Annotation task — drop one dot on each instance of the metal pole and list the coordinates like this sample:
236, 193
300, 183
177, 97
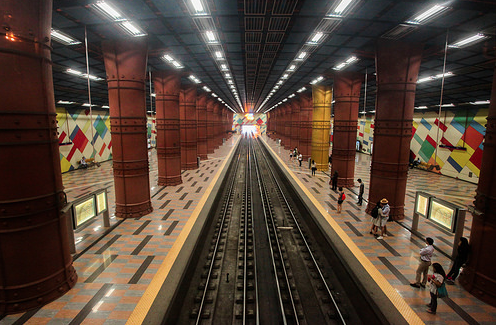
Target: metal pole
441, 97
93, 154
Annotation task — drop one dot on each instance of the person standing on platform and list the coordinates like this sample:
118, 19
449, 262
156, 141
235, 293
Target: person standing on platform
425, 262
341, 197
436, 281
314, 167
461, 258
384, 216
300, 158
334, 180
360, 191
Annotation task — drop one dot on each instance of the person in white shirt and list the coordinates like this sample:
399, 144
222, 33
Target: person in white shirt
425, 262
300, 158
83, 163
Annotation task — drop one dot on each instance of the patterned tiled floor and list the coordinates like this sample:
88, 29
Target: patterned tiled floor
115, 270
396, 256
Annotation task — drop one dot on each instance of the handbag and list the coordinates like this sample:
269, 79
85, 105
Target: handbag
441, 291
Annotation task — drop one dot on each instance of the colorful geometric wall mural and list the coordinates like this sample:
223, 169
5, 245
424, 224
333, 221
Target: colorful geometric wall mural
460, 135
258, 119
151, 134
74, 129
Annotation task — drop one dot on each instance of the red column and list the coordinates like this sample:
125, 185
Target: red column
306, 119
282, 124
210, 126
346, 95
167, 86
216, 125
397, 71
230, 122
125, 64
201, 113
287, 126
295, 124
478, 275
36, 265
187, 112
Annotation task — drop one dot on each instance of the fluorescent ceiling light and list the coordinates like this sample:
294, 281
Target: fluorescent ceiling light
480, 102
428, 15
340, 9
168, 58
65, 102
228, 76
317, 80
74, 72
223, 67
316, 38
421, 107
153, 95
447, 105
285, 76
108, 11
285, 100
469, 40
88, 105
280, 82
197, 5
63, 38
292, 68
438, 76
105, 106
302, 55
291, 96
346, 63
177, 65
218, 54
214, 95
131, 29
210, 36
194, 79
301, 90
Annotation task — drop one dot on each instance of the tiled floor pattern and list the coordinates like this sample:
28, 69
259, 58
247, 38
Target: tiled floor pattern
114, 270
396, 256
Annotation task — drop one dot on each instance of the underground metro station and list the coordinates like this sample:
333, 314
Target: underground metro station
193, 161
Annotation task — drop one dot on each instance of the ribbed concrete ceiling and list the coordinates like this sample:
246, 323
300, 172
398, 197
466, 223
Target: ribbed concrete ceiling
260, 40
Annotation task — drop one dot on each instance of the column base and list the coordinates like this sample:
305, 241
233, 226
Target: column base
203, 156
190, 166
479, 285
133, 211
169, 181
36, 295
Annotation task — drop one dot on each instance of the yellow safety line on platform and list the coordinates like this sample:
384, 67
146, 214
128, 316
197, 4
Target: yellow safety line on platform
139, 313
410, 316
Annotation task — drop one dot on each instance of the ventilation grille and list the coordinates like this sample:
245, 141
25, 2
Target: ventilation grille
255, 7
284, 7
278, 23
254, 23
253, 37
274, 37
328, 25
204, 23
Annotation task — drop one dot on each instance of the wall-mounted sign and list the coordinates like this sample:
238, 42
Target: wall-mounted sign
84, 211
443, 213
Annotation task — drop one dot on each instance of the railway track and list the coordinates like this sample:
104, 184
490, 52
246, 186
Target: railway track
262, 261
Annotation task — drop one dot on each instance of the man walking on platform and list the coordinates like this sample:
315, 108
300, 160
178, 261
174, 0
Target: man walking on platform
360, 191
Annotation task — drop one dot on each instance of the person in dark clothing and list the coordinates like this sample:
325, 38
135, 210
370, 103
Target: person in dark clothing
360, 191
334, 180
330, 160
461, 258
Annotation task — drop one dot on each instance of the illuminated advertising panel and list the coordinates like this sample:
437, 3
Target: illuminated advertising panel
101, 202
443, 214
422, 204
84, 211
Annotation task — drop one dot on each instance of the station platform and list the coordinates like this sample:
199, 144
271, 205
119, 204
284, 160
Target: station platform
120, 267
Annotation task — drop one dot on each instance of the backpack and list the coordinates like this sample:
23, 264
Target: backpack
375, 212
343, 196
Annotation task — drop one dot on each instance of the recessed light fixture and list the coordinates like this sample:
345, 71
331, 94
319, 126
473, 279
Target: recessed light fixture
301, 90
218, 54
421, 107
194, 79
468, 41
316, 38
65, 102
131, 29
302, 55
292, 68
210, 36
108, 11
207, 89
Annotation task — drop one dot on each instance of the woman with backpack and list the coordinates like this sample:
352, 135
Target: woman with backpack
376, 220
341, 197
